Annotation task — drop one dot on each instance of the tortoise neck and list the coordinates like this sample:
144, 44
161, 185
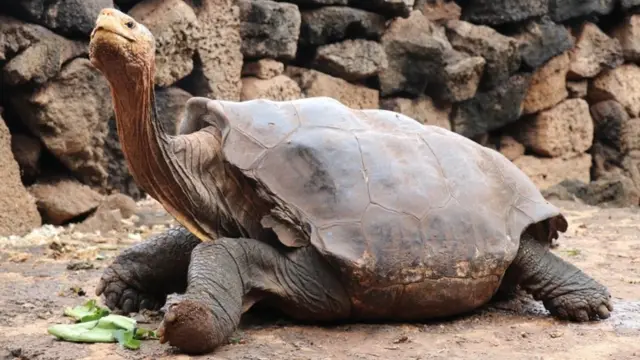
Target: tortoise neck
143, 139
148, 149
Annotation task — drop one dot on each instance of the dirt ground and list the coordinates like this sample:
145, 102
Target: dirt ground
52, 268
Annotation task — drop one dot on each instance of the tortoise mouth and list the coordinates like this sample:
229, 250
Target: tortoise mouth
102, 29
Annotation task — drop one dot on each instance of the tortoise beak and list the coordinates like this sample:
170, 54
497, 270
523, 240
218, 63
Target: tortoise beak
110, 21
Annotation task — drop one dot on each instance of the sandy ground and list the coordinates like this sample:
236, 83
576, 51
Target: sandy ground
56, 267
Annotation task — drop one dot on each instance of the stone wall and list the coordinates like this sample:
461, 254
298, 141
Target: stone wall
552, 84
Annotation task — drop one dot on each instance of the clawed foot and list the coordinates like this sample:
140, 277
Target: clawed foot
189, 326
122, 290
582, 305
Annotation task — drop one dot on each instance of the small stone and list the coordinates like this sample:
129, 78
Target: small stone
264, 69
496, 12
330, 24
351, 59
269, 29
500, 52
564, 130
439, 10
80, 265
577, 88
27, 151
594, 51
102, 221
621, 84
562, 10
315, 83
610, 190
175, 28
19, 214
546, 172
628, 34
492, 109
416, 49
55, 204
510, 147
460, 77
39, 53
109, 215
548, 85
171, 104
279, 88
401, 340
421, 109
121, 202
541, 40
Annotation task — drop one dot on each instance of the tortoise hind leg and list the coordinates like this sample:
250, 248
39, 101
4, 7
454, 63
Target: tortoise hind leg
227, 276
143, 275
566, 291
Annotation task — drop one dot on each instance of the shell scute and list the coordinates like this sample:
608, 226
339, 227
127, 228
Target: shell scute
402, 173
268, 122
252, 150
328, 113
319, 171
395, 243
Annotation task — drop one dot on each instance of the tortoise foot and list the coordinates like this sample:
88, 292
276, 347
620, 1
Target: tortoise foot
143, 275
591, 303
122, 290
189, 326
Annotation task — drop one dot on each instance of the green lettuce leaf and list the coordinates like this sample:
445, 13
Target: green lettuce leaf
95, 324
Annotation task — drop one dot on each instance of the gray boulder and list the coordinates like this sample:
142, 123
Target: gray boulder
331, 24
497, 12
492, 109
541, 40
269, 29
562, 10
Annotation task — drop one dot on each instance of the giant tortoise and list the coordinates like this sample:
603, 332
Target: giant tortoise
325, 212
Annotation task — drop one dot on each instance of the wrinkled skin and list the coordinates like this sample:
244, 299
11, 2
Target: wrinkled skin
131, 285
223, 280
226, 277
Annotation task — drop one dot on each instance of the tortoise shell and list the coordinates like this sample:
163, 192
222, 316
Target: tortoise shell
377, 192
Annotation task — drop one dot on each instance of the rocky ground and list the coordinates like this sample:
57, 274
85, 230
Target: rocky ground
54, 267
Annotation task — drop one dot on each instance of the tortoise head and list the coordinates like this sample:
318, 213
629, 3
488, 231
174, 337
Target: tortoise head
121, 47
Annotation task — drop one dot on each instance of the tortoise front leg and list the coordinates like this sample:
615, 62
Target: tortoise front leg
566, 291
228, 276
143, 275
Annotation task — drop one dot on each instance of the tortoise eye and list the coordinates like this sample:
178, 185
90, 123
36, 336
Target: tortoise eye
129, 24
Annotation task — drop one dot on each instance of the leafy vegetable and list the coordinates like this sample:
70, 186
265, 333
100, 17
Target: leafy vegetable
95, 324
83, 332
127, 339
87, 312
